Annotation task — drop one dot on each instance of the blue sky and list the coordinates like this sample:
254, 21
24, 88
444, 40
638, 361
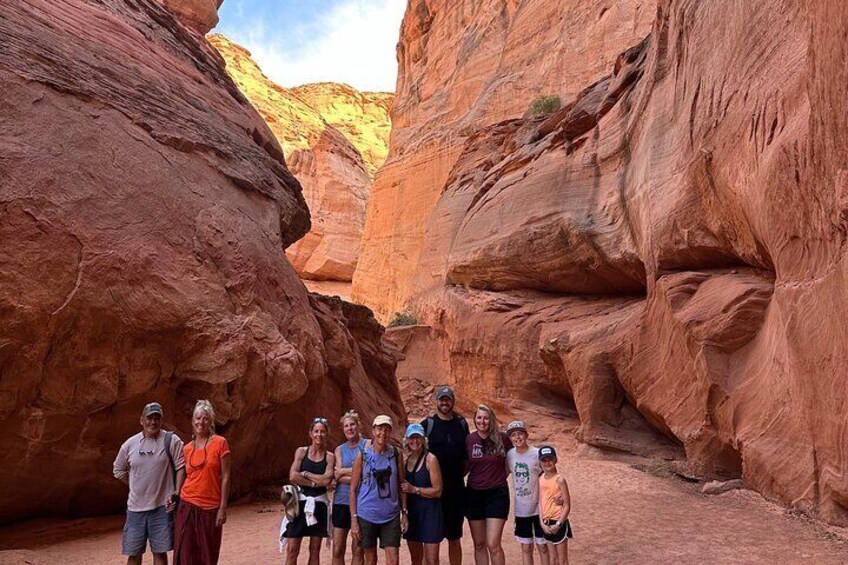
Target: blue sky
297, 42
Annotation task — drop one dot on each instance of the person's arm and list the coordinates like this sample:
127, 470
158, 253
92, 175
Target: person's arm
434, 491
121, 466
355, 479
221, 518
328, 476
295, 476
179, 462
566, 501
401, 494
342, 474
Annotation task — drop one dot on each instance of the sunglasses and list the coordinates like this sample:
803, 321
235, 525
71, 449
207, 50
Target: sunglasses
319, 420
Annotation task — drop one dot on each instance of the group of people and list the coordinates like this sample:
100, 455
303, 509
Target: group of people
419, 492
381, 493
177, 492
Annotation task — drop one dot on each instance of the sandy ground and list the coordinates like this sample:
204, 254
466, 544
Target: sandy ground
621, 515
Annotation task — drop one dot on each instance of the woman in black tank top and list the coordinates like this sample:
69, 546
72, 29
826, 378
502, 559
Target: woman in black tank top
312, 471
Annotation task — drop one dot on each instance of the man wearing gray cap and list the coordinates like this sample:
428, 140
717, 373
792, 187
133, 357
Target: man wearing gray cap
446, 432
151, 463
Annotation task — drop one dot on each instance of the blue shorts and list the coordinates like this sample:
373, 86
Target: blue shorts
155, 525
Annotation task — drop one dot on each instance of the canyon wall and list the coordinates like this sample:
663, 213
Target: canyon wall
667, 252
463, 66
333, 137
145, 208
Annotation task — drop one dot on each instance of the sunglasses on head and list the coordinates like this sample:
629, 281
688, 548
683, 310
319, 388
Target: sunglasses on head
319, 420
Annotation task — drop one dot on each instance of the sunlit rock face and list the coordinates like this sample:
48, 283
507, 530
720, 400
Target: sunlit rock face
463, 66
144, 211
334, 138
667, 252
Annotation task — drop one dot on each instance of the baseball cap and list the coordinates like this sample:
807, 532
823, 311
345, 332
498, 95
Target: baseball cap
547, 451
152, 408
414, 430
516, 425
383, 420
445, 391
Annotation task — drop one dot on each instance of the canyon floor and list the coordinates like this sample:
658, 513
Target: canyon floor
626, 510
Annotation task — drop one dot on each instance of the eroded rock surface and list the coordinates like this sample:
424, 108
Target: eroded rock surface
198, 15
144, 210
334, 138
463, 66
667, 251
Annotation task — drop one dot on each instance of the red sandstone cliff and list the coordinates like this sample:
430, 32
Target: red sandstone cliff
144, 210
463, 66
667, 251
333, 137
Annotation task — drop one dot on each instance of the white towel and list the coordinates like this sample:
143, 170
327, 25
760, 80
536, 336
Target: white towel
284, 524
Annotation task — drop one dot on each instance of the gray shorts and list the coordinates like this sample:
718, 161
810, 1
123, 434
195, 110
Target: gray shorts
388, 533
155, 525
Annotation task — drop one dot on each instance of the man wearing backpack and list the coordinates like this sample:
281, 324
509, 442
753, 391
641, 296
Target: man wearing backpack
446, 432
152, 464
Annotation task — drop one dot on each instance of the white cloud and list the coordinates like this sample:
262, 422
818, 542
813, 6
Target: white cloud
353, 43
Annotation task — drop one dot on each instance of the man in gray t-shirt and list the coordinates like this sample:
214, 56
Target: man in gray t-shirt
144, 465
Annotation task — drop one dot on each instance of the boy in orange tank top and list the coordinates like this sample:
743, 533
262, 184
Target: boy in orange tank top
554, 506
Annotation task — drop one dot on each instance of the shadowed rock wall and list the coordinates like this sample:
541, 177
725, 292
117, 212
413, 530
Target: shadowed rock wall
667, 251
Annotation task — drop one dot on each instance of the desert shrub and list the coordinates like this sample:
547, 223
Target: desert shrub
403, 319
543, 105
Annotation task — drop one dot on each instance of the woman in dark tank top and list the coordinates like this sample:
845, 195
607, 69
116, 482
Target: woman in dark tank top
312, 471
423, 488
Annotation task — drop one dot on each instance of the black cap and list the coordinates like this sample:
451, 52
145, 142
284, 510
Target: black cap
547, 451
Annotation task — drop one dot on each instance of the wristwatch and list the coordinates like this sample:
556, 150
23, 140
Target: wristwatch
418, 491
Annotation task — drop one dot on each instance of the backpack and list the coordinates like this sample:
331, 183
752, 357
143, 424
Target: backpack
429, 422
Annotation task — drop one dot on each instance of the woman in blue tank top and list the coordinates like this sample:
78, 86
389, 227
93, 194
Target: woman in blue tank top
345, 454
377, 505
423, 488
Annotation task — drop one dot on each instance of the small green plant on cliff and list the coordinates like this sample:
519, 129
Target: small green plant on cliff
403, 319
543, 105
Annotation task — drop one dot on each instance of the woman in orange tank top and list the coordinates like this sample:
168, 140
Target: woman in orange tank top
203, 499
554, 506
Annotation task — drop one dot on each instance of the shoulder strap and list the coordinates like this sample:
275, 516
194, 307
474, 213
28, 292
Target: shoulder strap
463, 424
428, 425
168, 436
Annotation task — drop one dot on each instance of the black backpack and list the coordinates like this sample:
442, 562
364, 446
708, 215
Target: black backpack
429, 422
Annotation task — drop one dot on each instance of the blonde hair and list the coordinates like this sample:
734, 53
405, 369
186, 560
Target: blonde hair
494, 430
349, 415
205, 406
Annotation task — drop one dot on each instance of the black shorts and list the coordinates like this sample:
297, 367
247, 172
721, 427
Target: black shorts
299, 529
453, 510
388, 533
341, 516
529, 529
487, 503
562, 535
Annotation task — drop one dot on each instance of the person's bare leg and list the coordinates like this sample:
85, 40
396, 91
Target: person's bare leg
478, 536
431, 554
292, 550
544, 557
562, 552
134, 560
356, 553
416, 552
552, 553
494, 543
526, 553
160, 559
369, 556
339, 545
315, 550
455, 551
392, 556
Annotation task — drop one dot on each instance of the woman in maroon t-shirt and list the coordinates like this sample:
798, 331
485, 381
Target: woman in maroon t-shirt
487, 495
